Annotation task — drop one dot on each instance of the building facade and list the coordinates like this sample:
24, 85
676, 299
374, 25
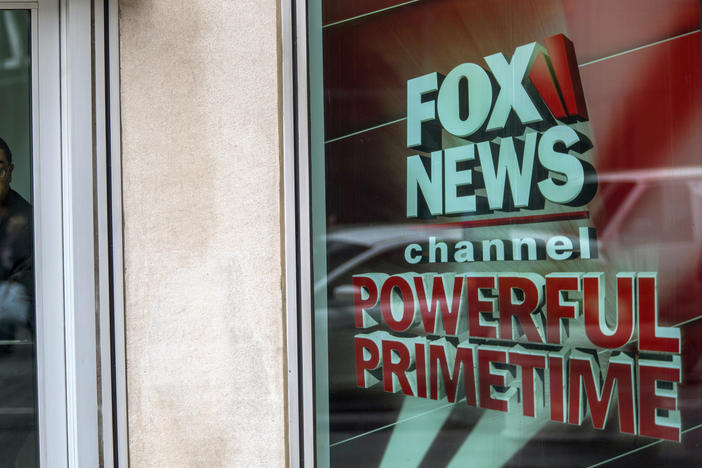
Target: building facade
392, 233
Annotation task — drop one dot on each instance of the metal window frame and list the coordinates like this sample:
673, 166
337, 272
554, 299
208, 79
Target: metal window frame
81, 376
297, 237
91, 194
116, 250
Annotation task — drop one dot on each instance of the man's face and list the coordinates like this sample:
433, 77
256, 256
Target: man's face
5, 175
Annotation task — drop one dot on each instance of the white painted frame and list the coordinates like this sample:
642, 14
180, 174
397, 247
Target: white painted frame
89, 224
51, 381
78, 226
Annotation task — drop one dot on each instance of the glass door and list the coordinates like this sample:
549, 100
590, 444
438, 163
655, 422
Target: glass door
57, 360
18, 376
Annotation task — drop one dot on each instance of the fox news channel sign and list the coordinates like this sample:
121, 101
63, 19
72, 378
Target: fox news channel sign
497, 340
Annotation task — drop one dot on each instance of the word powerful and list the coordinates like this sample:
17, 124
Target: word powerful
514, 306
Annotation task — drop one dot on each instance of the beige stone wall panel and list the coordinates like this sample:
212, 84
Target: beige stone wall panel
201, 168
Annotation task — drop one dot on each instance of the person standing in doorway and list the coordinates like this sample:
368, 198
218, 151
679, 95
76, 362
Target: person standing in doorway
16, 272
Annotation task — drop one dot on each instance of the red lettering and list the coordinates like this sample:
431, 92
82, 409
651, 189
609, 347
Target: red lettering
585, 374
420, 358
556, 284
360, 305
477, 306
528, 362
449, 314
367, 359
556, 386
486, 358
397, 369
462, 364
388, 297
509, 309
651, 336
651, 399
594, 310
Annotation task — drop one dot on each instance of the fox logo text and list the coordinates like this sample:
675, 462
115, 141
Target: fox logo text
514, 123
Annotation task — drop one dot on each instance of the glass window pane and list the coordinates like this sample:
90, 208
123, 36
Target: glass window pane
506, 232
18, 419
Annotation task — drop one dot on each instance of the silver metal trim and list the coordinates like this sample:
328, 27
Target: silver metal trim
318, 220
290, 233
46, 151
305, 253
102, 264
119, 345
79, 247
108, 194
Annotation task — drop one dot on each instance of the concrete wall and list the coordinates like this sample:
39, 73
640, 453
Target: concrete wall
202, 226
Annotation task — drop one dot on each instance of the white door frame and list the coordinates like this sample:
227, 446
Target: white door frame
78, 232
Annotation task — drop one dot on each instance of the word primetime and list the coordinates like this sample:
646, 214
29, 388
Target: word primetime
543, 384
534, 311
539, 88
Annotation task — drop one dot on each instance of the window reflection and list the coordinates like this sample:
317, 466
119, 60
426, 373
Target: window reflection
18, 434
